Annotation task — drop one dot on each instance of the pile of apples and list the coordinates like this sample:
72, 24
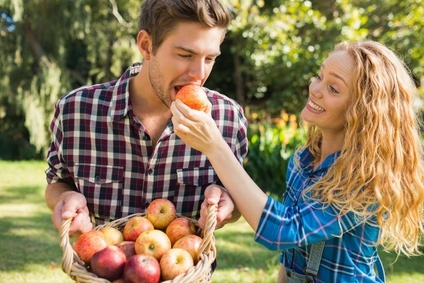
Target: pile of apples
151, 248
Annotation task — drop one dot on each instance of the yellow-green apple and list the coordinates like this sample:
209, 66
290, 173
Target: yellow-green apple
112, 235
127, 247
152, 242
120, 280
175, 262
108, 263
161, 212
179, 228
135, 226
142, 268
87, 244
190, 243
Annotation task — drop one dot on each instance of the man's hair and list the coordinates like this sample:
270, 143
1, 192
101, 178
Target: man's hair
159, 17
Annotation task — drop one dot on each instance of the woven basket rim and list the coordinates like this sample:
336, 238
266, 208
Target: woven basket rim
75, 268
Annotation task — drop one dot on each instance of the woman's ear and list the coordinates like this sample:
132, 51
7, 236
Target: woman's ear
144, 44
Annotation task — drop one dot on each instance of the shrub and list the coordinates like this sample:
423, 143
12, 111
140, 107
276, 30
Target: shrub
271, 143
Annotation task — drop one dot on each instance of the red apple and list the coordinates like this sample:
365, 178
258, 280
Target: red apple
152, 242
194, 96
179, 228
142, 269
112, 235
161, 212
87, 244
127, 247
190, 243
108, 263
135, 226
175, 262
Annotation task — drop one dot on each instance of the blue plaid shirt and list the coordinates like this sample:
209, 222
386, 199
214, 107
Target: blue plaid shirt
292, 226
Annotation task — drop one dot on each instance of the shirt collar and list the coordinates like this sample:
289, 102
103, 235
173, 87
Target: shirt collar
121, 95
306, 158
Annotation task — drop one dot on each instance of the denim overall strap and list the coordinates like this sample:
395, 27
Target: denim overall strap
314, 259
312, 266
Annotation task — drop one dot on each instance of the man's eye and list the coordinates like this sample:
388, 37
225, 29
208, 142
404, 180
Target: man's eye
210, 59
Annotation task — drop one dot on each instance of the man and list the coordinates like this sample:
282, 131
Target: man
113, 146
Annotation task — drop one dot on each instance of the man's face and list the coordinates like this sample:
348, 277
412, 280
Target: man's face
186, 55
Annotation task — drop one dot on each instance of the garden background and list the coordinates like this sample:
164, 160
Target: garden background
272, 50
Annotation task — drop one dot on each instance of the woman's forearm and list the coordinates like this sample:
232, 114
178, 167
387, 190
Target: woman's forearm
249, 198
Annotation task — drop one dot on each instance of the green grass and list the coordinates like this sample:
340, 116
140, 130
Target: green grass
30, 252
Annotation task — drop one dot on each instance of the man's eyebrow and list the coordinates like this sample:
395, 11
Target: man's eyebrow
336, 75
194, 52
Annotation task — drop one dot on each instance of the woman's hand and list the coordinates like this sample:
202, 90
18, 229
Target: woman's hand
196, 128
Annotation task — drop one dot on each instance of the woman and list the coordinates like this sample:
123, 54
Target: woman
356, 184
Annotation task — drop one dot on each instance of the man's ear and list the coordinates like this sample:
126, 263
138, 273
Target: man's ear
144, 44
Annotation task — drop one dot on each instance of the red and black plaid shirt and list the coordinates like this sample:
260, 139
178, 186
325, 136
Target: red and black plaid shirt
100, 147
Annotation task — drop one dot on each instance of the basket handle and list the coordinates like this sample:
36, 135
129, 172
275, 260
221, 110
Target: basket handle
207, 233
69, 255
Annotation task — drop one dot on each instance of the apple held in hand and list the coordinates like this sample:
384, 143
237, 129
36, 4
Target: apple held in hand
87, 244
112, 235
108, 263
161, 212
193, 96
175, 262
179, 228
135, 226
142, 268
152, 242
128, 247
190, 243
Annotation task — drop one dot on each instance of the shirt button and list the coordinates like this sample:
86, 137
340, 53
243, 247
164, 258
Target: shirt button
200, 180
150, 171
97, 178
146, 138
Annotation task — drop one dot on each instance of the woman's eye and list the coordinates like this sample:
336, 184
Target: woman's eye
333, 89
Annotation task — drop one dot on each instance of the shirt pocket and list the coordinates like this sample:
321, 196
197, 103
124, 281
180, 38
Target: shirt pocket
99, 174
198, 176
101, 185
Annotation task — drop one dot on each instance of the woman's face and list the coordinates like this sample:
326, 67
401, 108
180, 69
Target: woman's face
330, 94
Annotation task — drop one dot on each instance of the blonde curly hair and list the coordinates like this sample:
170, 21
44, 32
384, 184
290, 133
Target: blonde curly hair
380, 169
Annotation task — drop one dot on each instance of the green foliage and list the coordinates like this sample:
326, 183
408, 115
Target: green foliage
271, 51
271, 143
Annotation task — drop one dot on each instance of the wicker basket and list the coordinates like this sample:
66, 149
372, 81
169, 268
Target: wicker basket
75, 268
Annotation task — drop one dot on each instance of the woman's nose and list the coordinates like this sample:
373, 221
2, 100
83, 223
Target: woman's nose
315, 89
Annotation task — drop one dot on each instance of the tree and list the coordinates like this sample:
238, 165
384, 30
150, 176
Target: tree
277, 46
50, 47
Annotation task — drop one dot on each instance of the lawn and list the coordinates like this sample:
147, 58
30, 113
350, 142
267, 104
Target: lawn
30, 252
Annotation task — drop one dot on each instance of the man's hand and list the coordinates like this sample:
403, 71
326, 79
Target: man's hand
227, 212
73, 205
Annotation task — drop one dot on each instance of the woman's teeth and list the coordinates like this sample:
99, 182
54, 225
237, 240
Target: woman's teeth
314, 106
